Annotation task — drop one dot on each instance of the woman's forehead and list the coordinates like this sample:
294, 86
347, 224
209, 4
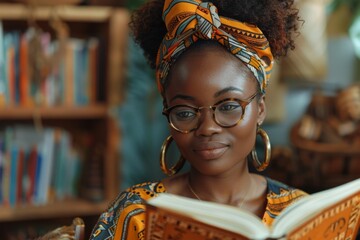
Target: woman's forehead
208, 72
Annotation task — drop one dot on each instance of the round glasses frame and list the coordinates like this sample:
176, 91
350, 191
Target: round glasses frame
242, 103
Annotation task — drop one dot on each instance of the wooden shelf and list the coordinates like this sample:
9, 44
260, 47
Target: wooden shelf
111, 26
52, 210
68, 13
60, 112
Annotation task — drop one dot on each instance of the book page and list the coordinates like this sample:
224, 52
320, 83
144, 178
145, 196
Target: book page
194, 215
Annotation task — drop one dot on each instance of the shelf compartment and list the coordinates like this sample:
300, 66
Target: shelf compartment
60, 112
67, 13
61, 209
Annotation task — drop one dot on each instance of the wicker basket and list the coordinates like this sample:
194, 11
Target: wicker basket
325, 165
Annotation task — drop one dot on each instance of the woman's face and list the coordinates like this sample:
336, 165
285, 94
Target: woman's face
203, 78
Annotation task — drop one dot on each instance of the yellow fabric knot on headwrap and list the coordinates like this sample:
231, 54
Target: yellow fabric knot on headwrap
189, 20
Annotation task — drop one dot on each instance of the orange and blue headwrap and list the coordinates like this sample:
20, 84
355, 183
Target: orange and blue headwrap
189, 20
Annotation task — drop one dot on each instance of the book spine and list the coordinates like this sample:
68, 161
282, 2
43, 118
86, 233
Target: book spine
9, 68
2, 68
46, 150
16, 67
20, 176
13, 174
38, 167
1, 171
32, 165
24, 76
93, 69
6, 179
69, 74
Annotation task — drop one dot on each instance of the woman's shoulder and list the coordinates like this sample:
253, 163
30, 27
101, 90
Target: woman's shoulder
279, 197
277, 189
129, 207
138, 194
145, 190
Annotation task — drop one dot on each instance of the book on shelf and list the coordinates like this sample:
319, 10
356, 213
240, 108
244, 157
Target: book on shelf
36, 69
37, 167
329, 214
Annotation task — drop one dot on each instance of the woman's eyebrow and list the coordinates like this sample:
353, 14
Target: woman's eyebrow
183, 97
228, 89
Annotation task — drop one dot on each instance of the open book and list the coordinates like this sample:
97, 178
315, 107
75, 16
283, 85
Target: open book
330, 214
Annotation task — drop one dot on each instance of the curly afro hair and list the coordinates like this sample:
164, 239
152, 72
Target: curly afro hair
277, 19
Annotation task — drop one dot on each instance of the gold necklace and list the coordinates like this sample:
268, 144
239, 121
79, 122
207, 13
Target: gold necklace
197, 196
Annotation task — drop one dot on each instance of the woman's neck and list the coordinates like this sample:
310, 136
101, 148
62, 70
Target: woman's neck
232, 189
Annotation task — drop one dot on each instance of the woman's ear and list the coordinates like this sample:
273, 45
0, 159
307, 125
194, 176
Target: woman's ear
261, 110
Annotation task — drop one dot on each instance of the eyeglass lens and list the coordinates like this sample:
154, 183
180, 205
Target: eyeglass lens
186, 118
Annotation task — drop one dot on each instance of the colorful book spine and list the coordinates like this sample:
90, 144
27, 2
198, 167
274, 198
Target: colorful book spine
93, 48
24, 87
37, 167
9, 51
46, 149
20, 175
13, 174
2, 68
1, 171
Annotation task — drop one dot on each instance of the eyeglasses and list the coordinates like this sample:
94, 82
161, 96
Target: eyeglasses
226, 113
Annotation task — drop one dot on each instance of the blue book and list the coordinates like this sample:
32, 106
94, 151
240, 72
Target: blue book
79, 72
16, 39
85, 78
14, 151
1, 170
8, 44
39, 163
46, 149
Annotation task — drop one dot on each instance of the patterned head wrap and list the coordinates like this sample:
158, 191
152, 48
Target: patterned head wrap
189, 20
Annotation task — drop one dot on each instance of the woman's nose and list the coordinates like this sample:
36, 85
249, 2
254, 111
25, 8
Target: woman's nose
207, 125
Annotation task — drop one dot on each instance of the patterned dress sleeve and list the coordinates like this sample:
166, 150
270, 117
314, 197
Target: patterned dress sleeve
125, 218
279, 197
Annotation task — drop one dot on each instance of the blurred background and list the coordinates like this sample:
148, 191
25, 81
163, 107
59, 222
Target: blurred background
80, 115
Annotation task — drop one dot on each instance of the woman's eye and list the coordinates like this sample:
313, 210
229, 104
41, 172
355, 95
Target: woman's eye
185, 115
229, 106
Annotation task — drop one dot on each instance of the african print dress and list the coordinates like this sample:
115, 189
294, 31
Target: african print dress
125, 218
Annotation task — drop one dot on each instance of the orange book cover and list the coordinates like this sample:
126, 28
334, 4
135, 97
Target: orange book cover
332, 214
340, 221
11, 74
164, 224
69, 74
24, 84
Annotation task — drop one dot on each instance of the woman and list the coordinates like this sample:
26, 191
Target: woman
212, 65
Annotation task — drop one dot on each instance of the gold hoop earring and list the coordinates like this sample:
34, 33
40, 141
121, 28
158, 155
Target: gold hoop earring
261, 166
173, 170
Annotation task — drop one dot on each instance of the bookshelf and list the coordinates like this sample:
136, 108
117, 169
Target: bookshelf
95, 119
59, 112
52, 210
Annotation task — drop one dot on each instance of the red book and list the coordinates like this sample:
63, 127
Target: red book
24, 77
11, 74
31, 171
20, 175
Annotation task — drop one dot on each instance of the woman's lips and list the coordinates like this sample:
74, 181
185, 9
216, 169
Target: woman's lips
211, 151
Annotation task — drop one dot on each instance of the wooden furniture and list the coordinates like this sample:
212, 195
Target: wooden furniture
326, 139
97, 120
324, 165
